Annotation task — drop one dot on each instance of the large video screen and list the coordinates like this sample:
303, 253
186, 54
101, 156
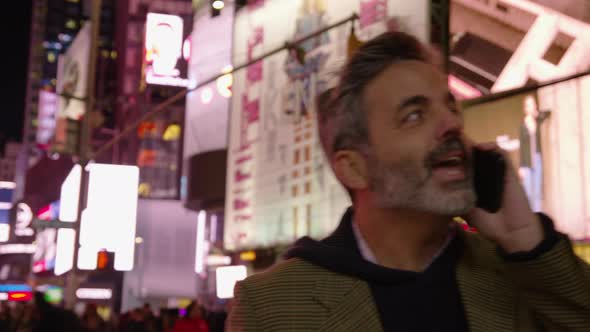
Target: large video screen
546, 147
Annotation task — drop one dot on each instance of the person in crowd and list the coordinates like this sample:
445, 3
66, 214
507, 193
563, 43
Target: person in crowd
91, 320
193, 321
134, 321
393, 134
5, 317
49, 318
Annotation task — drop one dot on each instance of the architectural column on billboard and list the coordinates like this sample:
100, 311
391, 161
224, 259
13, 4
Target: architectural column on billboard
567, 155
279, 185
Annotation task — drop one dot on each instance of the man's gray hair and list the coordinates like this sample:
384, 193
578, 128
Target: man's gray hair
341, 117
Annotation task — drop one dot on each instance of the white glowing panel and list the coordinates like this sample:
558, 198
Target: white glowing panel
94, 293
65, 251
226, 278
215, 260
4, 232
46, 116
163, 49
7, 185
70, 192
200, 245
3, 296
17, 248
108, 222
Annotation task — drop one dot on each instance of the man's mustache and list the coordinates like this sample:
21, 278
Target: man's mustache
451, 145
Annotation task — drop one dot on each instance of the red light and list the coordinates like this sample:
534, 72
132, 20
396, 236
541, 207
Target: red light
20, 296
103, 260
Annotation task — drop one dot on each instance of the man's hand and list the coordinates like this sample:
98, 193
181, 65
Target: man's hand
515, 227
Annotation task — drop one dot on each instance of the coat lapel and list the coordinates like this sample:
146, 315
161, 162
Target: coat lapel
489, 300
349, 303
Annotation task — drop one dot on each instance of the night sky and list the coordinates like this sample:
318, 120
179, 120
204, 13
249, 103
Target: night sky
13, 97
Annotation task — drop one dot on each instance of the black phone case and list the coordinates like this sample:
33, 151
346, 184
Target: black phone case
489, 169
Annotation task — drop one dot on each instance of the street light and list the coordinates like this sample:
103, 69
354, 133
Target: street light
216, 7
218, 4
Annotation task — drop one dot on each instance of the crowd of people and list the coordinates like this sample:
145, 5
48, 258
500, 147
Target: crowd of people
41, 316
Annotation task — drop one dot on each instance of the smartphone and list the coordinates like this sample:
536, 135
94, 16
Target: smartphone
489, 172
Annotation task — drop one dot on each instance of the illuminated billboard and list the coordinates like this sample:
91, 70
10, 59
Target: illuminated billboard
46, 240
166, 50
70, 190
226, 278
6, 193
498, 46
279, 184
546, 146
108, 222
72, 76
46, 118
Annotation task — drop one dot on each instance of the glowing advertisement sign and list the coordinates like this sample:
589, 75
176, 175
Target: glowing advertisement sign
46, 240
166, 50
72, 76
548, 144
94, 293
279, 184
555, 185
70, 190
226, 278
46, 117
6, 196
108, 222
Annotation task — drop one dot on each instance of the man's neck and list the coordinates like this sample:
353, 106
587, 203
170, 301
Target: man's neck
402, 239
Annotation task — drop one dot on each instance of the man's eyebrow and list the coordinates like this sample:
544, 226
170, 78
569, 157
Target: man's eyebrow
414, 100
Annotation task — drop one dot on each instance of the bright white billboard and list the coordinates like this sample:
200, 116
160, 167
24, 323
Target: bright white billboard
279, 185
108, 222
164, 48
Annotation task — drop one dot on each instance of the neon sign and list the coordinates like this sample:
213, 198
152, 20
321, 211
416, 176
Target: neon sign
164, 47
94, 293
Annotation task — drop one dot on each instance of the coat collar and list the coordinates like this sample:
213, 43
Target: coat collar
349, 303
489, 300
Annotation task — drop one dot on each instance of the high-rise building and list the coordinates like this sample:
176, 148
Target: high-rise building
153, 40
54, 26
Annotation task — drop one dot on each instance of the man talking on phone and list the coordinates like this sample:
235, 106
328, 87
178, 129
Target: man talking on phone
394, 137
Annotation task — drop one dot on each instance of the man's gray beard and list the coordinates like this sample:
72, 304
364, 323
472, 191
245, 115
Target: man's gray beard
402, 187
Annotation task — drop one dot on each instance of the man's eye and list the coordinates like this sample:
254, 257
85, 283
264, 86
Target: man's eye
413, 116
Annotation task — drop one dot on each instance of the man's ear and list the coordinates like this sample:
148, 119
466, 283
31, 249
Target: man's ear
350, 168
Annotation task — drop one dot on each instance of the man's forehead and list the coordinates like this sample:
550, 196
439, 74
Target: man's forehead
406, 79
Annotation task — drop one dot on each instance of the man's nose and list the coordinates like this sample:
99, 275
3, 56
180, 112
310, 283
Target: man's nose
450, 124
